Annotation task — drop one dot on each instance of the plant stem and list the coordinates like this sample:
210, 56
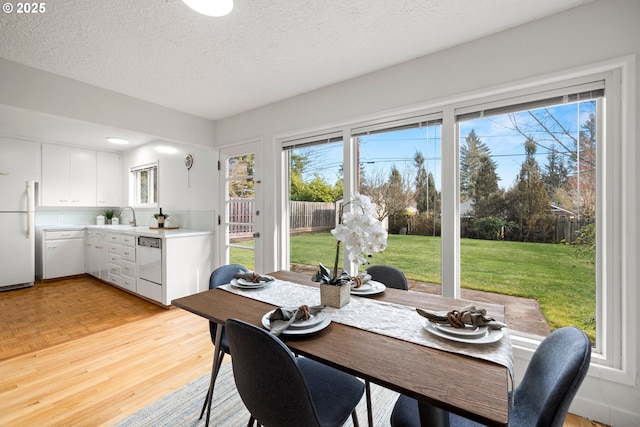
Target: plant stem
335, 264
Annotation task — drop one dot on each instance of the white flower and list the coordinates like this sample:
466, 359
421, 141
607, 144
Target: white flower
362, 234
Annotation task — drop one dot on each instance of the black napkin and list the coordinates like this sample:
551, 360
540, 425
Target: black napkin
469, 315
282, 317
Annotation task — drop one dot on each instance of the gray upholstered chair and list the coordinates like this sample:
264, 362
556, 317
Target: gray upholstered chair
220, 276
282, 390
391, 277
542, 398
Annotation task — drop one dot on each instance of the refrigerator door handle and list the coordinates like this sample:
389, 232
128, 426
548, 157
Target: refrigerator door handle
28, 209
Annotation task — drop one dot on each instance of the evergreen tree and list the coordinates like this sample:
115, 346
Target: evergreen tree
473, 153
422, 186
528, 200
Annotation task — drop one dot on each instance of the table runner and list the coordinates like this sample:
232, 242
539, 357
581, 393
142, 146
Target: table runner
393, 320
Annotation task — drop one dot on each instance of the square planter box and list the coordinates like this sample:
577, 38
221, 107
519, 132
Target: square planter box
335, 296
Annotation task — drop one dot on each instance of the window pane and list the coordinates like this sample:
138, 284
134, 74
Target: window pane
528, 210
400, 170
315, 185
241, 206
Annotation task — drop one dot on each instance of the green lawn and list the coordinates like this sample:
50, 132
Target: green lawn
563, 285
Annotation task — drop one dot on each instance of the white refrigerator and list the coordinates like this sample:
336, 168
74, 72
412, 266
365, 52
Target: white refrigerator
18, 171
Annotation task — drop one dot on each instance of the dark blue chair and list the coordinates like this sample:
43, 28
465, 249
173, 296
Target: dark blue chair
542, 398
220, 276
282, 390
391, 277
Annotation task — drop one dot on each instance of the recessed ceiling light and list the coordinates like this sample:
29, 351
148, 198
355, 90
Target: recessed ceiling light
118, 141
210, 7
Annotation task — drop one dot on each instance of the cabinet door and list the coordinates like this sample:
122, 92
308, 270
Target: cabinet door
108, 179
82, 181
63, 257
55, 175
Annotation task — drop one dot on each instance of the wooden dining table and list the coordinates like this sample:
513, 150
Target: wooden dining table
471, 387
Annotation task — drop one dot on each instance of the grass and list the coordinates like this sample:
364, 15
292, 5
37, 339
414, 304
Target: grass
563, 285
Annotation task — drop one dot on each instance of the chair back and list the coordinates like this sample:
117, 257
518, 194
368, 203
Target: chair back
391, 277
221, 276
268, 378
551, 381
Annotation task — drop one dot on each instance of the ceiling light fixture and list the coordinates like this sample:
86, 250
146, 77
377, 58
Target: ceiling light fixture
210, 7
118, 141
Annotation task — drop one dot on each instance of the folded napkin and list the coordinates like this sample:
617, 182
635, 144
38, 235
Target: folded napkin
252, 277
469, 315
360, 279
282, 317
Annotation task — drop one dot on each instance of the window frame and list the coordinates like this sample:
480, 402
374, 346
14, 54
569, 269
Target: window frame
614, 358
135, 186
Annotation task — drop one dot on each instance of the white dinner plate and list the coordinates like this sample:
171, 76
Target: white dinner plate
373, 288
293, 331
469, 331
310, 322
243, 284
492, 335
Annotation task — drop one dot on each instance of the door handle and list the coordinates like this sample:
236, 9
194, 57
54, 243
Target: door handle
256, 235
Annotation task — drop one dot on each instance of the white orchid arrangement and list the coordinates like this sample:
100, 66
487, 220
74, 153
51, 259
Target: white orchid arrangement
363, 235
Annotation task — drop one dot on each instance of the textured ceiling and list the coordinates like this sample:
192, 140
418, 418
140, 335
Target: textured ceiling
264, 51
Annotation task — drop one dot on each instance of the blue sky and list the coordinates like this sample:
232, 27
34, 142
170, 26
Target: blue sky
380, 152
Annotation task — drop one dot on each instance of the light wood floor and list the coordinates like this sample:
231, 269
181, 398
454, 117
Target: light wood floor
82, 353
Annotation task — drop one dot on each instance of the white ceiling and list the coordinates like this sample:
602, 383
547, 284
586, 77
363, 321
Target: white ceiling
264, 51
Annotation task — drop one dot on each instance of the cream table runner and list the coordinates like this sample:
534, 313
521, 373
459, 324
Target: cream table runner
394, 320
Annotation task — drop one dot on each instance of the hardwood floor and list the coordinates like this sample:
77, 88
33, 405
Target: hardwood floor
113, 363
80, 352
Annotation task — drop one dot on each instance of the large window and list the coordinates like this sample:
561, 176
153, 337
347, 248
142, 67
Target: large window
512, 194
528, 198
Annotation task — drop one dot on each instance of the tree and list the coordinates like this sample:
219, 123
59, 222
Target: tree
390, 194
527, 200
489, 198
475, 159
422, 183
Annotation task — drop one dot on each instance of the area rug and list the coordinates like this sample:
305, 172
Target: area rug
182, 407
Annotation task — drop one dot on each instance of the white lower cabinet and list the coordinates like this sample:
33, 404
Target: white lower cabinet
122, 259
96, 254
60, 254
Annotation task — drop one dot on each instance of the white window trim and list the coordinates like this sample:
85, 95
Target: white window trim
133, 185
617, 362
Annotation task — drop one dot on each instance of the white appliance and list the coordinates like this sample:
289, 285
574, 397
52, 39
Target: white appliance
18, 172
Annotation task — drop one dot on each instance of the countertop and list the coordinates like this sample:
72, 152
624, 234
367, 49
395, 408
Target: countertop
128, 229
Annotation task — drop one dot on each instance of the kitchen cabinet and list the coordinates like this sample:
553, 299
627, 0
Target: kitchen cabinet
68, 176
122, 261
96, 254
59, 253
108, 179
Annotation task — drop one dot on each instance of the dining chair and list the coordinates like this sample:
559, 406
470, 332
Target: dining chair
220, 276
391, 277
282, 390
542, 398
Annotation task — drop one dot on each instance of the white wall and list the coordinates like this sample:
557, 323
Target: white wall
597, 32
189, 197
35, 90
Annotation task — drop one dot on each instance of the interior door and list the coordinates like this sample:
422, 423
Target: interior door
240, 221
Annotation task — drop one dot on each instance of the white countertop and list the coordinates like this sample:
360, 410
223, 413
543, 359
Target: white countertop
127, 229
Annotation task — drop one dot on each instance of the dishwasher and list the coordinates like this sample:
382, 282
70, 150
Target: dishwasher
149, 258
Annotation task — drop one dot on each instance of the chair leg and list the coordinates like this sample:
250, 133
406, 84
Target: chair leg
354, 417
218, 355
367, 386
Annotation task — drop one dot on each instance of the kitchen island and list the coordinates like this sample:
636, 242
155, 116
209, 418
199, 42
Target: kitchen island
155, 264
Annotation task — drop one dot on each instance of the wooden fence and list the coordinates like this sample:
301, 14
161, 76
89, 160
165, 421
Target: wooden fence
303, 217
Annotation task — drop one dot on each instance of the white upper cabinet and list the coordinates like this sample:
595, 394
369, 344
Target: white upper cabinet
78, 177
108, 175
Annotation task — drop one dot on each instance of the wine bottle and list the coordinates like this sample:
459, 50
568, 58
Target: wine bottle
161, 219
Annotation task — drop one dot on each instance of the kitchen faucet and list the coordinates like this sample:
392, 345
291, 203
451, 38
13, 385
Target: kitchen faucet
133, 223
